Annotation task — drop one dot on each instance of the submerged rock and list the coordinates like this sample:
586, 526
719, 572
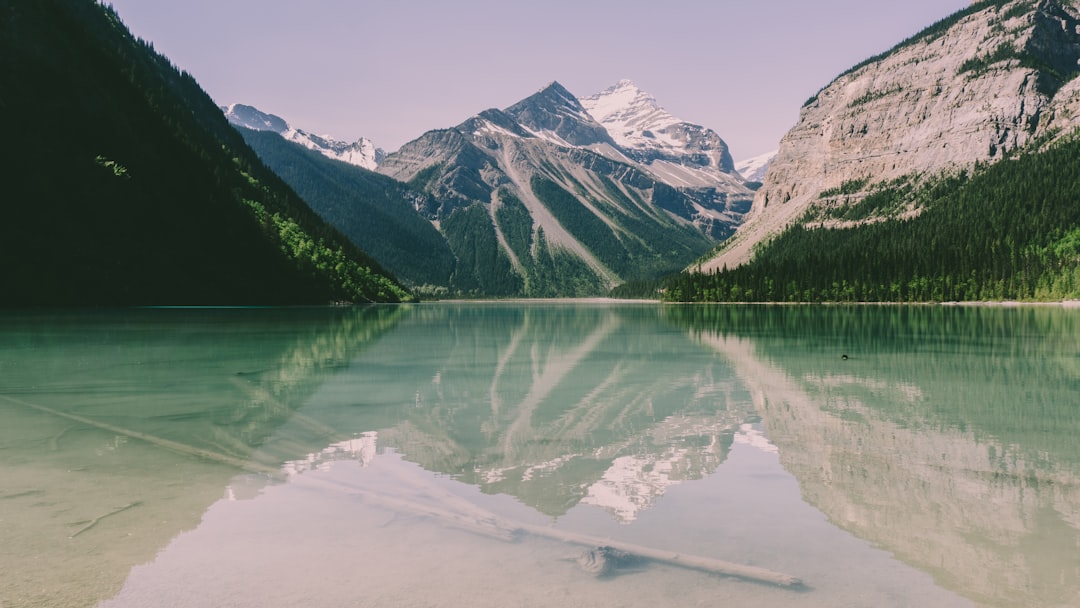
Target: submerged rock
606, 561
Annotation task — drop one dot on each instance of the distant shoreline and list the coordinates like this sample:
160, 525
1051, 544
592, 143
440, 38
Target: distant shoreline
597, 300
1017, 303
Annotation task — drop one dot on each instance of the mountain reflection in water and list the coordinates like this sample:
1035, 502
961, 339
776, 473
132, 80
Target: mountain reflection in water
119, 428
394, 455
552, 408
948, 437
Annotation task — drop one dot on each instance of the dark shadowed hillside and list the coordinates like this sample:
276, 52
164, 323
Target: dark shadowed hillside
124, 184
376, 212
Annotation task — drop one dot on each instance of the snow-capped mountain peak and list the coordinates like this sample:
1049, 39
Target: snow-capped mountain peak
628, 112
361, 153
690, 155
251, 118
753, 169
553, 113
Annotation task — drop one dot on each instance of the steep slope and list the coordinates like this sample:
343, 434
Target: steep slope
554, 113
689, 158
379, 214
989, 80
152, 198
361, 153
539, 200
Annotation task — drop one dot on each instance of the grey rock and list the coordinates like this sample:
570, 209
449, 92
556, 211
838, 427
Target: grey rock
993, 82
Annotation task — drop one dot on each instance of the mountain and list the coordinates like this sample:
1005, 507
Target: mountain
860, 443
361, 153
753, 169
540, 199
555, 438
555, 114
167, 377
890, 186
379, 214
680, 153
987, 81
124, 184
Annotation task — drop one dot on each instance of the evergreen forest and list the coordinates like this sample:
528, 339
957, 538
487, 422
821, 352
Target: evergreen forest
381, 215
1005, 231
125, 185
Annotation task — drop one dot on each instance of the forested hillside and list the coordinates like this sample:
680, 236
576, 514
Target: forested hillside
124, 184
379, 214
1010, 230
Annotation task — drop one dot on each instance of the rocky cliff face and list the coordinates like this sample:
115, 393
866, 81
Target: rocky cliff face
974, 87
1062, 114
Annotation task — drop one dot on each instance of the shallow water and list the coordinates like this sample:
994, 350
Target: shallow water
450, 454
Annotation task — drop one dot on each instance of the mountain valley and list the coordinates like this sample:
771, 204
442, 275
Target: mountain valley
890, 186
540, 199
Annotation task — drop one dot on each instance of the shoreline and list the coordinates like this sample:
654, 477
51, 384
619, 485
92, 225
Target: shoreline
1017, 303
601, 300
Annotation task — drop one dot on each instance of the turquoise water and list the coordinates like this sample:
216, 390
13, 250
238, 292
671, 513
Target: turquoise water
470, 454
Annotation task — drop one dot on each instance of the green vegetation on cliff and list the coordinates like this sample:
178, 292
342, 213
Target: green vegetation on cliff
482, 268
1010, 230
549, 271
629, 243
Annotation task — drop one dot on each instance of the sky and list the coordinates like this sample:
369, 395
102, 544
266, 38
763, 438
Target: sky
390, 70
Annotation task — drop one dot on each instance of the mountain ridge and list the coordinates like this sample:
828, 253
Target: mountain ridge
556, 114
382, 216
944, 170
361, 153
970, 89
548, 148
649, 134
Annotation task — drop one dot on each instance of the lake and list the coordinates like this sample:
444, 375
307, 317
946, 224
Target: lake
541, 454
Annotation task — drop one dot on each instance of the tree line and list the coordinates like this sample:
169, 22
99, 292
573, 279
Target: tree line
1009, 230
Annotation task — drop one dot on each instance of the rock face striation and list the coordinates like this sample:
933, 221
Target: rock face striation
560, 196
989, 80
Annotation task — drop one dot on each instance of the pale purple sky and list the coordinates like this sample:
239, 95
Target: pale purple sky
390, 70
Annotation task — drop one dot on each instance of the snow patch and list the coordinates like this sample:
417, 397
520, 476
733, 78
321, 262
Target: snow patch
753, 169
361, 153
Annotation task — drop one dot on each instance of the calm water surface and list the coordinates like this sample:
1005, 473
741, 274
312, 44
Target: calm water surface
473, 454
